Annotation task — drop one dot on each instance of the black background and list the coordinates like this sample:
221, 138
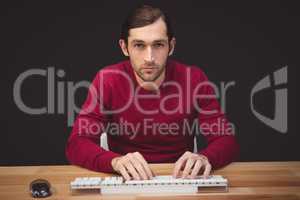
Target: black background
241, 41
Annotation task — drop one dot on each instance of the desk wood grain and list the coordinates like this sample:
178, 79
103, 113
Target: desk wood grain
247, 180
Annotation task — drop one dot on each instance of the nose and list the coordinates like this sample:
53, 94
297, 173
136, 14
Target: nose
149, 55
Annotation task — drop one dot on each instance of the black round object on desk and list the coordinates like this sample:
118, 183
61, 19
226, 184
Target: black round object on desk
40, 188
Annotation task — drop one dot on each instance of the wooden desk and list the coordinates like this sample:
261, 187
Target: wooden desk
247, 180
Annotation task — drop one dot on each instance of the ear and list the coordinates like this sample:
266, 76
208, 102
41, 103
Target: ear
123, 47
172, 45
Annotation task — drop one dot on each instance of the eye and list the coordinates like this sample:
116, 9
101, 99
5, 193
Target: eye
140, 46
158, 45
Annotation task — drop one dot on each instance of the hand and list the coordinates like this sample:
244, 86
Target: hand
132, 165
192, 164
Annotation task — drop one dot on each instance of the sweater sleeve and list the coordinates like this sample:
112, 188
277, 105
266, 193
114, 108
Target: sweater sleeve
83, 145
222, 146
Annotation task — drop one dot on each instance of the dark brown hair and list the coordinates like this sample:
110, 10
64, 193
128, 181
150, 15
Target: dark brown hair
142, 16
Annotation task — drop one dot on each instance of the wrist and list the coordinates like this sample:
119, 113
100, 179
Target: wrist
203, 157
114, 162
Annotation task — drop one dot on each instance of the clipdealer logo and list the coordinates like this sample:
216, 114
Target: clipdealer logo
56, 93
280, 121
61, 94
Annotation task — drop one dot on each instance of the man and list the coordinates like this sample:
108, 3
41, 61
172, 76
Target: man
148, 106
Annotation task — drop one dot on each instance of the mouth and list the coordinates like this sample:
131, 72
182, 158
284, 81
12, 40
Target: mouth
150, 67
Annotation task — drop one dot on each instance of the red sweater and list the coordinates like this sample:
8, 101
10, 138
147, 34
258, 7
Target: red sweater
160, 125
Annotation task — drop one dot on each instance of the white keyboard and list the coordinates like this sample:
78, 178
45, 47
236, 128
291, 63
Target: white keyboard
159, 184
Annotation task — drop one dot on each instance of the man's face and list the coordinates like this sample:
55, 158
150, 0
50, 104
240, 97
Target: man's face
148, 49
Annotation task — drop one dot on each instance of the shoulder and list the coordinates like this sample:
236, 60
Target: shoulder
182, 71
117, 67
112, 75
114, 72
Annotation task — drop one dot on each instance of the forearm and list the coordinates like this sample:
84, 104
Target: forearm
221, 150
86, 153
83, 146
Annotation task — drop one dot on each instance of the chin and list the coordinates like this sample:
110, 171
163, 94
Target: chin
148, 79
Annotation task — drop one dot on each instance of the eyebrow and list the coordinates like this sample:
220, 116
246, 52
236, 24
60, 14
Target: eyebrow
155, 41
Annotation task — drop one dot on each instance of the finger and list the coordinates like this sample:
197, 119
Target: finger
207, 170
139, 168
145, 165
132, 171
188, 166
196, 169
124, 173
179, 164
